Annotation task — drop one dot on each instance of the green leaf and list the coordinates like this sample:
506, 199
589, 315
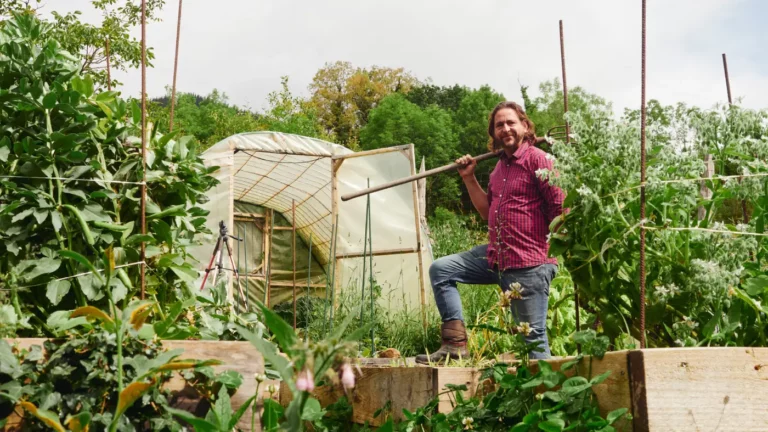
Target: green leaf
553, 396
240, 411
199, 425
162, 232
283, 332
42, 266
9, 364
575, 385
615, 415
757, 285
269, 351
49, 101
56, 220
312, 410
600, 378
555, 425
270, 418
22, 215
223, 407
56, 290
82, 260
231, 379
389, 426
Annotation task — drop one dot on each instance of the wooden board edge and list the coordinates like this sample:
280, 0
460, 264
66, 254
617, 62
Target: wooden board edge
636, 366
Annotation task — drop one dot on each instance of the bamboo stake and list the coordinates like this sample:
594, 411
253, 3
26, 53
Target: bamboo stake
269, 257
328, 282
175, 68
365, 246
293, 230
143, 145
309, 280
333, 276
567, 141
370, 266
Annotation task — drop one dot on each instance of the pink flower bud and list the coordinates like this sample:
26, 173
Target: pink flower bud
347, 376
305, 381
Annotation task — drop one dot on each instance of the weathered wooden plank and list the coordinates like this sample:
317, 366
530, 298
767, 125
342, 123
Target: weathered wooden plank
469, 377
241, 357
404, 387
701, 389
613, 393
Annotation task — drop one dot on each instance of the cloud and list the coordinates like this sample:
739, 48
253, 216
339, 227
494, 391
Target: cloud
243, 47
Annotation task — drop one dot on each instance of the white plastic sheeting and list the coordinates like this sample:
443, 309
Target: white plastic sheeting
275, 170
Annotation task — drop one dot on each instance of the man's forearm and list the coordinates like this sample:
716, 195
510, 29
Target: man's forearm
477, 195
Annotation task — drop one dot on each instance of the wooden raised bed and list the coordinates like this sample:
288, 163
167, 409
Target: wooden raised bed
241, 357
673, 389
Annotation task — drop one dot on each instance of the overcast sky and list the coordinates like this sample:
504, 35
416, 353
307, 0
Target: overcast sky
243, 47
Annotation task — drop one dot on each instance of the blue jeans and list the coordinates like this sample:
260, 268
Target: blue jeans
471, 267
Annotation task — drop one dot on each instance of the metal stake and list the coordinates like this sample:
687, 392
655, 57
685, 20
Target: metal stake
642, 182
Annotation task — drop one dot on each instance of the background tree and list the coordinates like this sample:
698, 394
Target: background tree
397, 121
546, 110
208, 118
446, 97
343, 96
291, 114
88, 41
212, 118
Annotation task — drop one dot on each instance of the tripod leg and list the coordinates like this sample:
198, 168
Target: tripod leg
210, 264
243, 297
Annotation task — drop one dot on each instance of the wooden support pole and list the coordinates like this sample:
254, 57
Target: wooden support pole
143, 267
417, 224
293, 249
175, 69
335, 165
269, 257
378, 253
371, 152
567, 141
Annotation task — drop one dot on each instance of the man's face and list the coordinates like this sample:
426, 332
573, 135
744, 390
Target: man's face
508, 128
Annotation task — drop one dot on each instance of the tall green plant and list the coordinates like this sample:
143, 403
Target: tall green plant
70, 176
698, 292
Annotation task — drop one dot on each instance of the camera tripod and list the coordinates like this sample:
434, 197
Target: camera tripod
218, 257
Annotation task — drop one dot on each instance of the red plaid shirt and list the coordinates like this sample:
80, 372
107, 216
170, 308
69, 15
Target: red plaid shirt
520, 208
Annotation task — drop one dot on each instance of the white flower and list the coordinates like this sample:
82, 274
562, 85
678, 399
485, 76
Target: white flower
467, 422
259, 377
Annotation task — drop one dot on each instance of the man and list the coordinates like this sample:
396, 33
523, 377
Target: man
519, 207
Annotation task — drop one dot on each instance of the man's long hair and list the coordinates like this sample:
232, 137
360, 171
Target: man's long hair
495, 144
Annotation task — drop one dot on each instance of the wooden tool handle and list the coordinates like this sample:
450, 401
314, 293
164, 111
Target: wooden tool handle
409, 179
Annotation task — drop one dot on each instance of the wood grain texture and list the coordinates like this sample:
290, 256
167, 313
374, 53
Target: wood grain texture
706, 389
613, 393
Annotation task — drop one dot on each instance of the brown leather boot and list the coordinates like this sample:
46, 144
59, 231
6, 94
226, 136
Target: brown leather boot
454, 344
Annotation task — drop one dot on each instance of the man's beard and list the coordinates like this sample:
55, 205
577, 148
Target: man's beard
514, 144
